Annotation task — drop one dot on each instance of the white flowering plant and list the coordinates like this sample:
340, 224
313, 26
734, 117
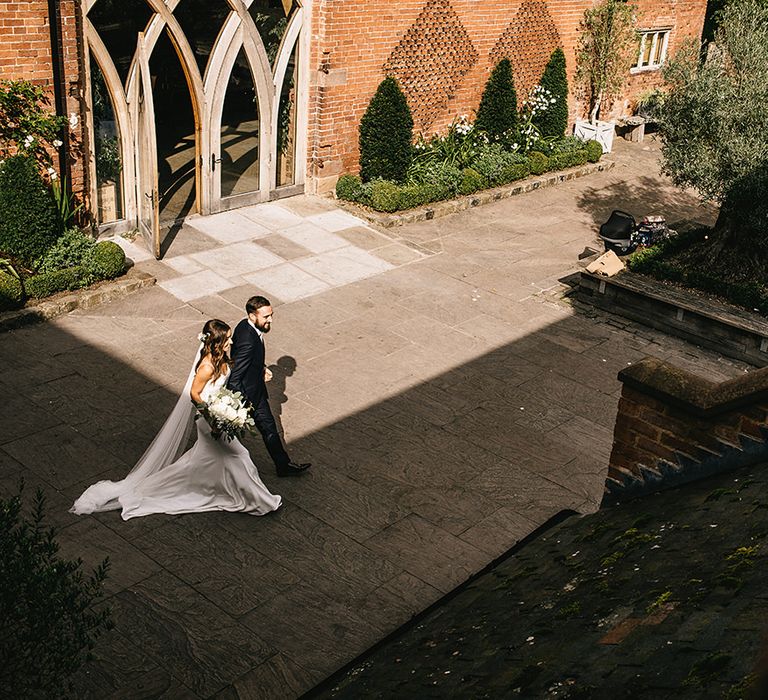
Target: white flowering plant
458, 147
26, 123
227, 413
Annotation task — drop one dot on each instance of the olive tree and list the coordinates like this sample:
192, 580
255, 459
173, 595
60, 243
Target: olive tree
714, 129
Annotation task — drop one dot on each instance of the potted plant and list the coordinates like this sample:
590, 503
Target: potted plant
603, 59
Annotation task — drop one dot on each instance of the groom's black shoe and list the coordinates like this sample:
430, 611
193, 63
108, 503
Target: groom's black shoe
293, 469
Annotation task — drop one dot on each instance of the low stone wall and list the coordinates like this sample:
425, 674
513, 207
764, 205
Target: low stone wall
65, 302
731, 331
451, 206
674, 426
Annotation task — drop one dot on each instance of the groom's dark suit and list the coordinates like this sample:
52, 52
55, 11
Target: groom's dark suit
247, 377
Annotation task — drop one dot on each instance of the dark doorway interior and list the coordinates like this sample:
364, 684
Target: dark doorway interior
175, 125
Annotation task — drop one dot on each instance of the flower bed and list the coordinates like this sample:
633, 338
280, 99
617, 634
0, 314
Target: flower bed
463, 162
670, 261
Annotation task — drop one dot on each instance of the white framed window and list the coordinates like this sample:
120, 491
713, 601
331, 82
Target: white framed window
653, 49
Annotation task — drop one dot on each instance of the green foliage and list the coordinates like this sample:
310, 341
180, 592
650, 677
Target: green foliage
349, 188
594, 151
66, 209
47, 606
443, 174
11, 292
72, 248
28, 222
567, 159
386, 132
418, 195
553, 121
47, 283
385, 195
497, 112
458, 147
655, 262
650, 103
515, 171
108, 160
471, 181
106, 261
26, 123
714, 125
605, 52
538, 163
496, 165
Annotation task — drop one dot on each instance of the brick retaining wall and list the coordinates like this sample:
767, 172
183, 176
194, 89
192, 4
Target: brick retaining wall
673, 426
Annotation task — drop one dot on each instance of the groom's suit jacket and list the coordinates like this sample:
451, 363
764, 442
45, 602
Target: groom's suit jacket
247, 354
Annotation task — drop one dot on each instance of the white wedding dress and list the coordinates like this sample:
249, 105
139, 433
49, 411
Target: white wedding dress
214, 474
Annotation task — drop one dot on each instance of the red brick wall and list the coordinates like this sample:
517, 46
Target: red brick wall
25, 53
352, 42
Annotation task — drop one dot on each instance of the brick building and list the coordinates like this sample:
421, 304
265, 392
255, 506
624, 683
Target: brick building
191, 106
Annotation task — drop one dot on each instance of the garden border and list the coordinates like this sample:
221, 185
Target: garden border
451, 206
64, 302
697, 318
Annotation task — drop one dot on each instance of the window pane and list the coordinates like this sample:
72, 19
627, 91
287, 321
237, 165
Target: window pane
118, 23
240, 132
271, 18
286, 124
646, 54
109, 165
202, 21
657, 57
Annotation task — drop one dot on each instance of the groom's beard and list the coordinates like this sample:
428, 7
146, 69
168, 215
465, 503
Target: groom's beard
265, 328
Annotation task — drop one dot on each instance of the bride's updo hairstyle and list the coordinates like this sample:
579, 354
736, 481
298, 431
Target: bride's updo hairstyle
213, 338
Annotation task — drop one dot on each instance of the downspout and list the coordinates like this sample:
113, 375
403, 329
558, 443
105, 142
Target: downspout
57, 64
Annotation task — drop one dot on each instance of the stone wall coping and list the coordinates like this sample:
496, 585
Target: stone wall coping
681, 298
435, 210
692, 393
87, 298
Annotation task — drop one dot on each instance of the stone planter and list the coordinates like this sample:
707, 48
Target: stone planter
602, 132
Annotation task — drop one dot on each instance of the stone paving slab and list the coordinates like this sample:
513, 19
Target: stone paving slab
446, 418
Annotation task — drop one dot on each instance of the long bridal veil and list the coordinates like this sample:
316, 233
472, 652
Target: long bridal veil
162, 451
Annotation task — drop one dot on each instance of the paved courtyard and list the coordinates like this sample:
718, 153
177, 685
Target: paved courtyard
450, 396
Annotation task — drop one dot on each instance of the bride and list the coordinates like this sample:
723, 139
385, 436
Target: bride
215, 474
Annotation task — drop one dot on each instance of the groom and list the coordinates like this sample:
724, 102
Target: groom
249, 374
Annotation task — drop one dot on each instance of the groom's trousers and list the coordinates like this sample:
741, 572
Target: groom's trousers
266, 425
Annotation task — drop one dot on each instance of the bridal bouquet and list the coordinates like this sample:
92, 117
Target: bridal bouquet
227, 414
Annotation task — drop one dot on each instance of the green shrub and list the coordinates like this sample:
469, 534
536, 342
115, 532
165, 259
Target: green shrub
385, 195
553, 121
471, 181
538, 162
27, 213
594, 151
494, 164
72, 248
349, 188
47, 283
11, 293
47, 606
430, 172
567, 159
497, 112
386, 133
515, 171
106, 261
417, 195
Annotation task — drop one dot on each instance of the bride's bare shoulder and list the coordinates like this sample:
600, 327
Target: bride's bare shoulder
205, 369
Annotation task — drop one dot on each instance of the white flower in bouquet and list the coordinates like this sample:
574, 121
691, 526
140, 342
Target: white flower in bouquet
227, 414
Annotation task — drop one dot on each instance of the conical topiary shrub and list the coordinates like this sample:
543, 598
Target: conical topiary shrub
386, 133
554, 120
497, 112
28, 222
